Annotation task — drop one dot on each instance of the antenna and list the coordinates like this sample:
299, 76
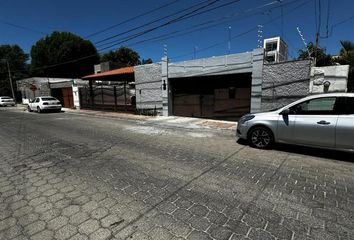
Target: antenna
229, 42
260, 36
195, 52
165, 50
303, 40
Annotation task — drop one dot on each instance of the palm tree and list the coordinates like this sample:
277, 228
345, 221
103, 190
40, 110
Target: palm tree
346, 56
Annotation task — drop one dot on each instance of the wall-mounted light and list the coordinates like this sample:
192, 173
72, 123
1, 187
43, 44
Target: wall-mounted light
164, 85
326, 85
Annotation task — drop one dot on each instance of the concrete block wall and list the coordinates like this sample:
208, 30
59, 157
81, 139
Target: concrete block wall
148, 87
221, 65
284, 83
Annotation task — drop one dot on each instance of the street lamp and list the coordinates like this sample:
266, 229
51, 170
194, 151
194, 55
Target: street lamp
10, 78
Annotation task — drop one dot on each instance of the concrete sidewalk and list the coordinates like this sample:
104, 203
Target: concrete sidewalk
171, 121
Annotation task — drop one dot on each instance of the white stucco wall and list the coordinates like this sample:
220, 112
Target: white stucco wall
334, 77
76, 96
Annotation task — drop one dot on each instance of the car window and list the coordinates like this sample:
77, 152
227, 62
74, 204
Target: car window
37, 100
347, 105
318, 106
49, 99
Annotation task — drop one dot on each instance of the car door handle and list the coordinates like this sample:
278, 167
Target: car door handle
323, 122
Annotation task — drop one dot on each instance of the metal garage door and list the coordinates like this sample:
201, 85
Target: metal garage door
224, 97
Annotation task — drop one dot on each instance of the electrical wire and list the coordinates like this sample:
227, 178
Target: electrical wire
155, 21
198, 27
199, 50
22, 27
319, 16
131, 19
243, 33
183, 17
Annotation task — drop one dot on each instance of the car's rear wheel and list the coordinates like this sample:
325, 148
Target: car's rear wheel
29, 109
39, 110
261, 137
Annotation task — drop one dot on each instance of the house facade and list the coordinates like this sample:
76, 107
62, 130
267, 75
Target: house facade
66, 90
224, 87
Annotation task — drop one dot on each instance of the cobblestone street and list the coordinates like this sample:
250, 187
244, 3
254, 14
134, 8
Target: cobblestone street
68, 176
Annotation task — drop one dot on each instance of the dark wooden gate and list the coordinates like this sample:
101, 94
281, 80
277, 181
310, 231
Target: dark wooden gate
68, 100
107, 97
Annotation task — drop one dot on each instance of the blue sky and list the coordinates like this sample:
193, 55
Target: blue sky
24, 22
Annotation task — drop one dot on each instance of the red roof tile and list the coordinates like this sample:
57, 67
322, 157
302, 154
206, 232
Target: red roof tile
119, 71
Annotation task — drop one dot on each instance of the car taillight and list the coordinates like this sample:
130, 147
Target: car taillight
45, 103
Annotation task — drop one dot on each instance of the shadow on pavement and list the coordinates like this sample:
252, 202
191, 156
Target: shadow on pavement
315, 152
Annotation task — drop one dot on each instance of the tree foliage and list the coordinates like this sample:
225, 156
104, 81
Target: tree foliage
346, 57
79, 56
323, 59
17, 59
146, 61
124, 56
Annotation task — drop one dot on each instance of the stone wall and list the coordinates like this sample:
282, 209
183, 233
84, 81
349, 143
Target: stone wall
148, 87
329, 79
284, 83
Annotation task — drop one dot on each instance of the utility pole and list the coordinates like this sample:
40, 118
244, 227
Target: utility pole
316, 48
10, 79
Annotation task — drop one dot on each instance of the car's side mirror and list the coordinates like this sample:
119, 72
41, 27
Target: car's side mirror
285, 111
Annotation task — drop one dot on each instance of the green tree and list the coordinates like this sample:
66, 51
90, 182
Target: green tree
124, 56
323, 59
17, 59
346, 57
63, 54
146, 61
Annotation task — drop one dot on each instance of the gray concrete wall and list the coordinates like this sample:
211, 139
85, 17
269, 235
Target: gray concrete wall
228, 64
249, 62
150, 78
148, 87
42, 85
284, 83
257, 77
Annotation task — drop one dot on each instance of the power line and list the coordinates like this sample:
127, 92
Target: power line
316, 21
328, 12
203, 49
154, 21
22, 27
244, 33
186, 16
339, 23
183, 17
219, 21
132, 18
319, 16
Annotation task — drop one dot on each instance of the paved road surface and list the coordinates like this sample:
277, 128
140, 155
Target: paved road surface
67, 176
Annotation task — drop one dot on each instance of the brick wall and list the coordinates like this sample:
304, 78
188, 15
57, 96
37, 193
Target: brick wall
284, 83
